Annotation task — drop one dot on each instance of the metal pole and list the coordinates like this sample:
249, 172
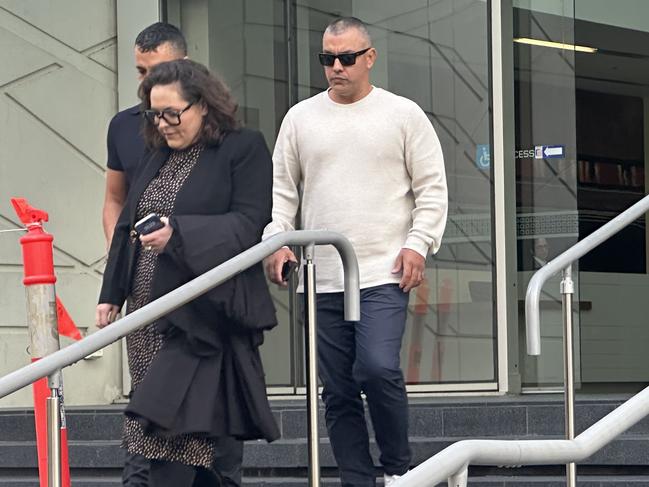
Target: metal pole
567, 290
54, 432
39, 280
459, 479
311, 350
44, 340
296, 322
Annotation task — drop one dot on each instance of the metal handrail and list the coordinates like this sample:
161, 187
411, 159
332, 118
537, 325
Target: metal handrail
194, 288
532, 297
452, 463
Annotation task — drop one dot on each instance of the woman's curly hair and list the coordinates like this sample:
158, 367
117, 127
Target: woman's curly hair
199, 86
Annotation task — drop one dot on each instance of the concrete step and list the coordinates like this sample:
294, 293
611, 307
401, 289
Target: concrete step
95, 435
454, 418
114, 481
582, 481
289, 454
494, 481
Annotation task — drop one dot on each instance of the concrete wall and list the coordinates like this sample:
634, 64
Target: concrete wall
57, 94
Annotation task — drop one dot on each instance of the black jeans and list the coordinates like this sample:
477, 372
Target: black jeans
175, 474
227, 462
364, 357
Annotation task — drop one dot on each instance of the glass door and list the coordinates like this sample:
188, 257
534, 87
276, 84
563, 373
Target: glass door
581, 79
612, 86
433, 52
246, 42
546, 171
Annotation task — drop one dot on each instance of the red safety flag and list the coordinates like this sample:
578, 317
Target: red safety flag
66, 325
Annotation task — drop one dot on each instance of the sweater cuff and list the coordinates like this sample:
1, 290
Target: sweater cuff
271, 230
418, 245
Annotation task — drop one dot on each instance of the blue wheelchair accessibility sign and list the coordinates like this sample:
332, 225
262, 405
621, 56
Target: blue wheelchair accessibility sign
482, 156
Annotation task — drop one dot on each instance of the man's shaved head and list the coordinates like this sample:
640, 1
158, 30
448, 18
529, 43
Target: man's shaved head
342, 24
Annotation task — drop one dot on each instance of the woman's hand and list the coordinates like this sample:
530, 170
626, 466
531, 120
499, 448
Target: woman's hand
157, 241
105, 314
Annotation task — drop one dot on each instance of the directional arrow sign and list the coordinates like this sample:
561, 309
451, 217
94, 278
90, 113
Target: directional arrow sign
549, 151
553, 151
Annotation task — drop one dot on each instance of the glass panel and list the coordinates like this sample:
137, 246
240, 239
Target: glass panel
612, 87
434, 52
546, 169
245, 42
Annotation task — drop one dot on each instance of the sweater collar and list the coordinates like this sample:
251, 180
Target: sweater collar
362, 101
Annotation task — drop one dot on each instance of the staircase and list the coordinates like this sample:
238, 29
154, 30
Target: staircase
96, 458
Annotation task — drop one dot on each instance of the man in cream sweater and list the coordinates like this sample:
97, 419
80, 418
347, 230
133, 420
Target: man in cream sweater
359, 160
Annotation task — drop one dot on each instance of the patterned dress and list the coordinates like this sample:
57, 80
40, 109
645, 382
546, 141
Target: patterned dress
142, 345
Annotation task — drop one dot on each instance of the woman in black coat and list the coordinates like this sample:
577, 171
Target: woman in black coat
197, 373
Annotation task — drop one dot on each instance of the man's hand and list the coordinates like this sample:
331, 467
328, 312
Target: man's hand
411, 264
273, 265
157, 241
105, 314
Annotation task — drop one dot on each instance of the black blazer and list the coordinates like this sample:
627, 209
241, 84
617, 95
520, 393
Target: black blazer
220, 211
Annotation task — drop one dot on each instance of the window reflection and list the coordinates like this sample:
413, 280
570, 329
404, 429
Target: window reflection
435, 53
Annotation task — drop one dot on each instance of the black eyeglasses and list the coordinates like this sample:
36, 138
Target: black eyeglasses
345, 58
172, 117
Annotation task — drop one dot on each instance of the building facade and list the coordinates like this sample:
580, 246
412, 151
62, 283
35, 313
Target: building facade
540, 109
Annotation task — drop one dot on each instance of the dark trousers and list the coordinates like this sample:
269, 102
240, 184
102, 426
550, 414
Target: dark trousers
364, 357
175, 474
227, 462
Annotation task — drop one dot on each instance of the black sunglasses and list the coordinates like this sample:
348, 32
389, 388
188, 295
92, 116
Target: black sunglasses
346, 58
172, 117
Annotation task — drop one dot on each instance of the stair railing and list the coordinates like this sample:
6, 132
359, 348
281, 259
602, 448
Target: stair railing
452, 463
308, 239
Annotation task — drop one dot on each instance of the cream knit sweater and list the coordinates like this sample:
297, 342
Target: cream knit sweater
372, 170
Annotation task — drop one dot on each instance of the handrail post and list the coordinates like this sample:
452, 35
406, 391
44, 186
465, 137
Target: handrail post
460, 478
311, 350
295, 319
54, 431
567, 290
